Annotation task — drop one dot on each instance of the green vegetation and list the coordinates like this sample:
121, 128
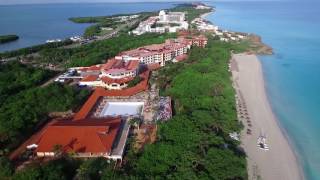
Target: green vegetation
135, 81
99, 51
6, 168
191, 12
23, 113
194, 144
89, 19
33, 49
59, 169
100, 19
16, 77
105, 21
24, 105
8, 38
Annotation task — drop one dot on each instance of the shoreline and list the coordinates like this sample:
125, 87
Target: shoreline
203, 16
280, 162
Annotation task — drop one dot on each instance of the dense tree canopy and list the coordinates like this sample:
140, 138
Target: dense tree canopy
15, 77
191, 12
97, 52
20, 113
194, 144
33, 49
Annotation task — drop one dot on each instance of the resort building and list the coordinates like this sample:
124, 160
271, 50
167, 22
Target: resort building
117, 69
123, 68
157, 53
82, 138
115, 74
100, 128
165, 22
200, 41
145, 26
171, 17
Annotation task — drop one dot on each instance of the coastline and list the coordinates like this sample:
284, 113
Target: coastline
203, 16
280, 161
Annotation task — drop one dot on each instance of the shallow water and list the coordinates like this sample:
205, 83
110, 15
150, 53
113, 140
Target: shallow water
37, 23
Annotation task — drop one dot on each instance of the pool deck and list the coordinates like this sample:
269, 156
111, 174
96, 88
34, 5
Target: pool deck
120, 142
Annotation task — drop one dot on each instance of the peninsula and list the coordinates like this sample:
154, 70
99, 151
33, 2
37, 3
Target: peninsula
8, 38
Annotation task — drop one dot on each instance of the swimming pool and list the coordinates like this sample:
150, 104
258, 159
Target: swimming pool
122, 109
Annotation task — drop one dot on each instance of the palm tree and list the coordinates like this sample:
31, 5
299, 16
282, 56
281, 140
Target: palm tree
135, 122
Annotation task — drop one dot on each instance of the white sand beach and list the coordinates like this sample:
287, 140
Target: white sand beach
203, 16
279, 162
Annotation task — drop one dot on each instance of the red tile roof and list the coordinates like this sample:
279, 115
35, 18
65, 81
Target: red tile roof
154, 66
169, 46
133, 65
95, 67
85, 136
181, 57
200, 37
120, 64
118, 81
89, 78
99, 92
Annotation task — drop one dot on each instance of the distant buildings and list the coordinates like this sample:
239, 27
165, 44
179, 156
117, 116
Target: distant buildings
204, 25
202, 7
171, 17
226, 36
146, 26
126, 18
164, 22
199, 5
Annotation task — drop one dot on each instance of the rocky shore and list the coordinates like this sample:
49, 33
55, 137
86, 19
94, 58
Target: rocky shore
257, 46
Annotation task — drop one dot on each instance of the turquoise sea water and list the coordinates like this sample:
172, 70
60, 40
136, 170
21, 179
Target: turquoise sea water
37, 23
292, 75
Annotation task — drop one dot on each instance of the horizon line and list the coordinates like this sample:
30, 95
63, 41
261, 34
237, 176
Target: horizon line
98, 2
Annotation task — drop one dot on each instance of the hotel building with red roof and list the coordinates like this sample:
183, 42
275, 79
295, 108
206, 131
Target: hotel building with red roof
115, 74
157, 53
87, 136
120, 70
161, 53
83, 138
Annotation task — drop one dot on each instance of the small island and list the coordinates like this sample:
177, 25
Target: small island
8, 38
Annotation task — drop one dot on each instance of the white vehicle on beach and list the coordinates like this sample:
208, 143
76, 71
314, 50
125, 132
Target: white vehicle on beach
262, 143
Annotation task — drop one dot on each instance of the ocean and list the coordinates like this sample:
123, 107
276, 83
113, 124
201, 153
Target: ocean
292, 74
37, 23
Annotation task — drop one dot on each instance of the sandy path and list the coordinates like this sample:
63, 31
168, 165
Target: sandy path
279, 163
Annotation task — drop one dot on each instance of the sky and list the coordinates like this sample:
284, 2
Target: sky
5, 2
